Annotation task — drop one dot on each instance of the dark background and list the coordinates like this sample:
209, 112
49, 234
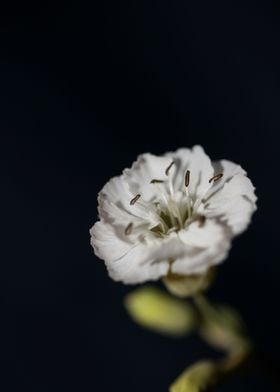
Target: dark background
85, 87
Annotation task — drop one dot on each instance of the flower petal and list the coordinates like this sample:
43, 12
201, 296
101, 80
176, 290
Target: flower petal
204, 247
201, 170
146, 169
203, 235
115, 204
137, 267
126, 261
232, 199
194, 250
107, 241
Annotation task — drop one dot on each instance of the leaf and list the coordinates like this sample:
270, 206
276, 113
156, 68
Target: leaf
154, 309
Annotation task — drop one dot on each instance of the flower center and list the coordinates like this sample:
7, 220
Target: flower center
172, 219
174, 213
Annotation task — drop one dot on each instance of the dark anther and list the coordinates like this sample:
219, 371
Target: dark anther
177, 224
168, 168
128, 229
154, 181
201, 220
216, 178
187, 178
134, 200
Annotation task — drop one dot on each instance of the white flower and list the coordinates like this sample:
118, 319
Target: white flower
171, 214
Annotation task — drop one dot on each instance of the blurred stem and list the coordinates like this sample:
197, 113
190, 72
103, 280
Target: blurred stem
221, 326
241, 353
200, 302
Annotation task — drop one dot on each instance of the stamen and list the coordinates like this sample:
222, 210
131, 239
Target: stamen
128, 229
201, 220
134, 200
155, 181
216, 178
177, 224
168, 168
187, 178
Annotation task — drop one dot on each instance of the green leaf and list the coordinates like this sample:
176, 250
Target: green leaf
154, 309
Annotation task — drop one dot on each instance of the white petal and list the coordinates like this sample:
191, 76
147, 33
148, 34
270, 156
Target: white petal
115, 204
116, 191
203, 235
196, 261
126, 261
205, 247
108, 242
148, 167
232, 199
199, 164
137, 267
228, 170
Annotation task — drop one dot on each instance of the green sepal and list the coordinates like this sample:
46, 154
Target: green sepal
188, 285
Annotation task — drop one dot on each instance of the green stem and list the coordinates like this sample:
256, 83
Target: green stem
241, 354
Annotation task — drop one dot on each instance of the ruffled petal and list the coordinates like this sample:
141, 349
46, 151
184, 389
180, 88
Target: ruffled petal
201, 170
205, 246
203, 235
115, 205
108, 242
116, 191
147, 176
137, 267
232, 199
126, 261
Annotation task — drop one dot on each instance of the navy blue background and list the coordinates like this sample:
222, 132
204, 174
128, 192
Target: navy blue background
85, 87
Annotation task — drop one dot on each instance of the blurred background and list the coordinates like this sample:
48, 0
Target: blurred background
85, 87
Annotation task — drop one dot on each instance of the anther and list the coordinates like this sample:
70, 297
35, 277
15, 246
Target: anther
201, 220
187, 178
168, 168
177, 224
134, 200
128, 229
216, 178
155, 181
